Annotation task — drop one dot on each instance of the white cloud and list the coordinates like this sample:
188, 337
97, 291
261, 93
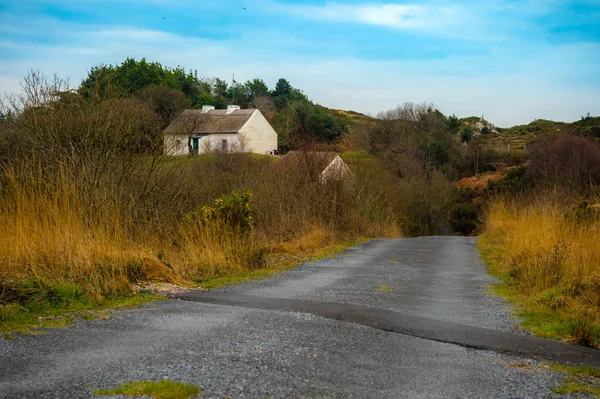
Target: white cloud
391, 15
463, 85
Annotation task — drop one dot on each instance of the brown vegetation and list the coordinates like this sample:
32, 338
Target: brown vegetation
566, 160
550, 254
88, 201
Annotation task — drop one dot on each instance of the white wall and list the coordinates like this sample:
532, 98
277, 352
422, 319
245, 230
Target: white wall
337, 169
213, 143
260, 136
176, 144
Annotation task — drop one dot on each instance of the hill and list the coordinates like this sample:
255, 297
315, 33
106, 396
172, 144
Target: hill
515, 138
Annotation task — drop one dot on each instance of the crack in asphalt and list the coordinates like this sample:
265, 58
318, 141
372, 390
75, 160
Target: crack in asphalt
421, 327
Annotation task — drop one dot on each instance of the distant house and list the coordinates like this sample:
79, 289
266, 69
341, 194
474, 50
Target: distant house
321, 165
220, 130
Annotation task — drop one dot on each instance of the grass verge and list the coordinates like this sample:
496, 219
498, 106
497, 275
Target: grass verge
36, 305
579, 379
157, 389
549, 268
33, 315
280, 262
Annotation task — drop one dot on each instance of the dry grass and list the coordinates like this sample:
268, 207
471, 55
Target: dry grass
47, 235
552, 261
480, 183
60, 246
88, 206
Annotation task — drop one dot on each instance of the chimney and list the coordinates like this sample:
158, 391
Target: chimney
231, 108
206, 108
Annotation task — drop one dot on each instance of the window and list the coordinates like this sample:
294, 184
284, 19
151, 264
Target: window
178, 144
224, 145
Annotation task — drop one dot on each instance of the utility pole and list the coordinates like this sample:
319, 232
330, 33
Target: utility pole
233, 90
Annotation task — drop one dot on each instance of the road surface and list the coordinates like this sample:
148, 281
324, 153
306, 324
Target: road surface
409, 318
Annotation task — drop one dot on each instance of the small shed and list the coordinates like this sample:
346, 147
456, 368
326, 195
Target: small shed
322, 165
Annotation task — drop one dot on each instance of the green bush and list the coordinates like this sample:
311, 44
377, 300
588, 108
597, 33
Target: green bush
466, 134
464, 217
514, 182
234, 209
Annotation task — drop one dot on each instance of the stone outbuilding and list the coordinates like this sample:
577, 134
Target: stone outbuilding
321, 165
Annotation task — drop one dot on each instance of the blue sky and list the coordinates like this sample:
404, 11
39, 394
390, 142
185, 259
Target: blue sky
512, 61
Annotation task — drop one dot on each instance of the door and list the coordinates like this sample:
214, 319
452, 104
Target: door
195, 145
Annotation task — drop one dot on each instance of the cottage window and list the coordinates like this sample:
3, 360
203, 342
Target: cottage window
177, 144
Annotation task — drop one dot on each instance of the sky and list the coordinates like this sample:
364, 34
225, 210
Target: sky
510, 61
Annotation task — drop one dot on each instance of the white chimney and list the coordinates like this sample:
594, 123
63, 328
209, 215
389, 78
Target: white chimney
231, 108
206, 108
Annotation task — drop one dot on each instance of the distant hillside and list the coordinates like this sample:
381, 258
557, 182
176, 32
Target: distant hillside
350, 117
515, 138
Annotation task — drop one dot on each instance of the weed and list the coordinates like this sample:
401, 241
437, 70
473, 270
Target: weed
580, 371
157, 389
384, 287
580, 379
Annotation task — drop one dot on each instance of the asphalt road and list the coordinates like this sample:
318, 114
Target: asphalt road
390, 318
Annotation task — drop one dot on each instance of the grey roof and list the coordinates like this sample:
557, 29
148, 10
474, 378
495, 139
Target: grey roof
194, 121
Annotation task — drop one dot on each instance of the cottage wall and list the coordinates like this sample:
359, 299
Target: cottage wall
176, 144
260, 137
214, 143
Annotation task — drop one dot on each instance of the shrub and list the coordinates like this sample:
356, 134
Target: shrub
514, 182
567, 160
466, 134
464, 217
233, 209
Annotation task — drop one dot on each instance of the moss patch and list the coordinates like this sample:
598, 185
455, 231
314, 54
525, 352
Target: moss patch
384, 287
157, 389
32, 318
580, 379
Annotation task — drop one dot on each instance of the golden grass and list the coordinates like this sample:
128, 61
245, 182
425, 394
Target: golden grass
47, 235
551, 263
58, 252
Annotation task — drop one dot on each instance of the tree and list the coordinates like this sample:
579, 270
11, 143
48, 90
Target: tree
131, 77
285, 93
413, 131
466, 134
453, 124
282, 88
255, 88
323, 126
568, 159
264, 103
167, 103
220, 93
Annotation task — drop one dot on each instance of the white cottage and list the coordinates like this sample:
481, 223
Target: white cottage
220, 130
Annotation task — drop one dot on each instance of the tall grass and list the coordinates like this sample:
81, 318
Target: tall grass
48, 234
550, 256
54, 233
